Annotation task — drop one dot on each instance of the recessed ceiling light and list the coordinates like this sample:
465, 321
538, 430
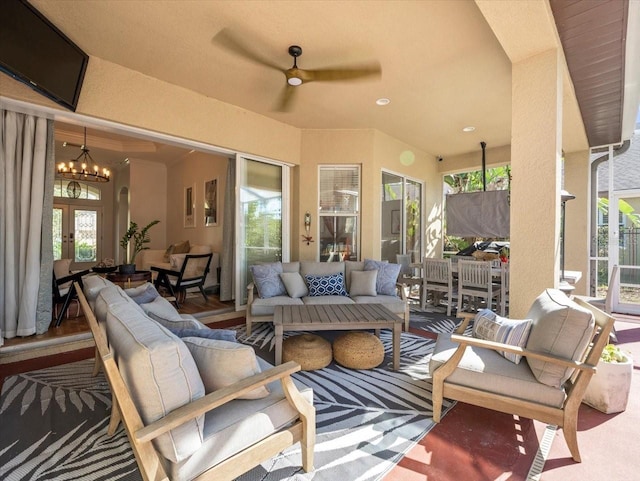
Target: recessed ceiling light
383, 101
470, 128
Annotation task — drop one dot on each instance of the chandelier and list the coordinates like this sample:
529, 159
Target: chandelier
83, 167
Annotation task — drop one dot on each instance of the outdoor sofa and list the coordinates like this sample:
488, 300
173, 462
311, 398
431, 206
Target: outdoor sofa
310, 282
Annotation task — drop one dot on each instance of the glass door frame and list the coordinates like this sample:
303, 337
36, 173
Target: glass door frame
68, 231
240, 160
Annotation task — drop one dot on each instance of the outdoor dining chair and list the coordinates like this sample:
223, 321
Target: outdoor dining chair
475, 279
438, 278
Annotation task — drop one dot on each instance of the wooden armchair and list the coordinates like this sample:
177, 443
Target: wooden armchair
64, 291
471, 370
193, 273
238, 446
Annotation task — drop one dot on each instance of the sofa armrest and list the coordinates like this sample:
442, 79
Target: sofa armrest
222, 396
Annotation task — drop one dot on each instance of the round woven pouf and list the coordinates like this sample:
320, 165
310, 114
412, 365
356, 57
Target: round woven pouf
358, 350
310, 351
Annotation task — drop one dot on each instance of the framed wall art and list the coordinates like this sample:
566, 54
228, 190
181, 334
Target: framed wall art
189, 206
211, 203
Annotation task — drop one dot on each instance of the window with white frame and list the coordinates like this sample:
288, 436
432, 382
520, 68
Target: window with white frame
339, 212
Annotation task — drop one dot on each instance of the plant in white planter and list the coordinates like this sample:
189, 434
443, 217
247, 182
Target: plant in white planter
608, 390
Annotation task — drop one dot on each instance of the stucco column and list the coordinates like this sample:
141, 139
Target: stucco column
577, 182
536, 132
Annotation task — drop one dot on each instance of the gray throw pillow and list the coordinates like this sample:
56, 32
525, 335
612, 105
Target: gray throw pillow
266, 278
217, 334
294, 283
363, 283
387, 276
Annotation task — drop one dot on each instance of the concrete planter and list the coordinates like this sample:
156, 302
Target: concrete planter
608, 390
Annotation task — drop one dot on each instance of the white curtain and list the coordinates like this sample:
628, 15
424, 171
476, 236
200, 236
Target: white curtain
26, 166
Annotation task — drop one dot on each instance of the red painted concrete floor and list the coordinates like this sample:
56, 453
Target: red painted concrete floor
476, 444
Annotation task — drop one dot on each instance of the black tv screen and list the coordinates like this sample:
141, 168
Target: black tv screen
35, 52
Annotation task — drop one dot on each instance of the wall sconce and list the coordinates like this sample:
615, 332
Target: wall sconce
307, 221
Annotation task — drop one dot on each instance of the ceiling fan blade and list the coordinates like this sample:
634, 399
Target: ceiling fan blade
227, 40
286, 99
354, 72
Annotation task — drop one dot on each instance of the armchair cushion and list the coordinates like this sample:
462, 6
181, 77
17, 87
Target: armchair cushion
492, 327
387, 275
160, 374
294, 283
480, 367
561, 328
267, 280
363, 283
221, 363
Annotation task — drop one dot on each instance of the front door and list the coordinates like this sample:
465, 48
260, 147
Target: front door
76, 234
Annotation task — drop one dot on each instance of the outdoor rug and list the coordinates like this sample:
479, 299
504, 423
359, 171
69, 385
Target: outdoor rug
53, 421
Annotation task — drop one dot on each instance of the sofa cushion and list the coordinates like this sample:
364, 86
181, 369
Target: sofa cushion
363, 283
561, 328
160, 374
206, 333
313, 268
387, 275
329, 285
393, 303
92, 285
267, 279
327, 300
110, 296
222, 363
265, 307
294, 283
142, 294
291, 266
233, 426
492, 327
481, 367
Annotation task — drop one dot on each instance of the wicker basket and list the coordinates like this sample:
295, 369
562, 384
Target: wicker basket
310, 351
358, 350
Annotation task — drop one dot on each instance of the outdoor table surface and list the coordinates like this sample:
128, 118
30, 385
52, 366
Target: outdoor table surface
333, 317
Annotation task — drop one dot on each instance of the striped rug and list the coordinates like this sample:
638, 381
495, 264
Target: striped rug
53, 421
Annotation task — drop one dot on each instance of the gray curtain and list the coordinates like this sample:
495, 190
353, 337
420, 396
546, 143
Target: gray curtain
478, 214
228, 235
25, 149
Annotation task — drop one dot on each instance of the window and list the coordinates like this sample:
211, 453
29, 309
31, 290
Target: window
339, 213
72, 189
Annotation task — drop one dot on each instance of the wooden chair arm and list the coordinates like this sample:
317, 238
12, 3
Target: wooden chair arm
401, 286
162, 270
497, 346
250, 287
213, 400
466, 319
72, 277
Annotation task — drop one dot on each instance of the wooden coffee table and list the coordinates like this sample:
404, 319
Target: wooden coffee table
334, 317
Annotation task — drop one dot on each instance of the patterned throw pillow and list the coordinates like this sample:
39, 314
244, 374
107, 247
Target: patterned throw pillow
489, 326
267, 280
387, 276
332, 285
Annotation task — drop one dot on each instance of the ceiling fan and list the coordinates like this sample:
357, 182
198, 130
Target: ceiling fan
297, 76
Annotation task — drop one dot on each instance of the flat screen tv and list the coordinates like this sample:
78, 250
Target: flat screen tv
36, 53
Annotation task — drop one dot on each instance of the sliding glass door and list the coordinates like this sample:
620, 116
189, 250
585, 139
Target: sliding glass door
262, 218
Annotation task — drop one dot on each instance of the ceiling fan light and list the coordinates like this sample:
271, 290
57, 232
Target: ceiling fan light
294, 81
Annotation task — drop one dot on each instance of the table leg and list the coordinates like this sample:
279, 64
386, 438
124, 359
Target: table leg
397, 330
279, 332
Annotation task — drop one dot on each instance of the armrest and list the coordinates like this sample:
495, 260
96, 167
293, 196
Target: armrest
401, 287
162, 270
497, 346
76, 276
217, 398
466, 319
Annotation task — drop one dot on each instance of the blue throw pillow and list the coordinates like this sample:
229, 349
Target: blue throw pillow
266, 278
387, 276
143, 294
332, 285
217, 334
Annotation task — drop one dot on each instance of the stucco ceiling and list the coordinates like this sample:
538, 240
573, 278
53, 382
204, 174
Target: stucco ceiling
442, 66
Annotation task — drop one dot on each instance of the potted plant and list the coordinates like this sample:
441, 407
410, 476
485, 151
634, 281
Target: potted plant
504, 255
608, 390
140, 237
